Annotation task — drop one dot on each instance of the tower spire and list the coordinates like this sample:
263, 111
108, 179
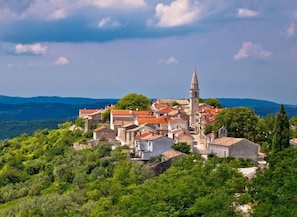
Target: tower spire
194, 100
194, 82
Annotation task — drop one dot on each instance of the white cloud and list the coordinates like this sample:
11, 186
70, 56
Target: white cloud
170, 60
179, 12
57, 14
251, 50
244, 12
107, 21
122, 4
36, 49
62, 61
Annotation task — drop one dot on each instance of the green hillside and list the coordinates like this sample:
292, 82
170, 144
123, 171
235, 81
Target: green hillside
42, 175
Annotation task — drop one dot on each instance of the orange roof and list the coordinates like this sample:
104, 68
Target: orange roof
142, 135
151, 120
179, 136
129, 112
99, 128
176, 119
88, 111
164, 110
159, 105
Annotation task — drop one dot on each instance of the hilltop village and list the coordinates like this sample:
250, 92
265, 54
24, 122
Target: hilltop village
152, 133
170, 157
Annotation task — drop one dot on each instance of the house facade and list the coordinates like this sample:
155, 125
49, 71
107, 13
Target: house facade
102, 133
234, 147
91, 117
151, 145
122, 117
175, 126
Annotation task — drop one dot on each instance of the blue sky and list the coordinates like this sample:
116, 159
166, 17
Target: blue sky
109, 48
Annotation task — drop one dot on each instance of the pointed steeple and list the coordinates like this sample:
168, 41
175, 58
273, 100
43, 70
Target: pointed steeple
194, 83
194, 101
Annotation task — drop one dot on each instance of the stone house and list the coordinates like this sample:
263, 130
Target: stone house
91, 117
151, 145
234, 147
122, 132
132, 133
184, 137
175, 126
160, 124
103, 132
122, 117
184, 103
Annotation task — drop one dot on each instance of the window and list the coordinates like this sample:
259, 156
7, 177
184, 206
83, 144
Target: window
196, 94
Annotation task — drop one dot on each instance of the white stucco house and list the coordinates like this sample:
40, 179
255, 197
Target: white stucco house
151, 145
234, 147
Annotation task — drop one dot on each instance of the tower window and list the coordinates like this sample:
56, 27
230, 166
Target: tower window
196, 94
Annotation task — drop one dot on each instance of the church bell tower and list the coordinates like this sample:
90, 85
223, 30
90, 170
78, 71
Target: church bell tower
194, 101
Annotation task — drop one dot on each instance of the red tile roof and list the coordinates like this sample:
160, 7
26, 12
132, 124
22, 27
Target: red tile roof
181, 135
129, 112
100, 128
176, 119
88, 111
164, 110
142, 135
152, 120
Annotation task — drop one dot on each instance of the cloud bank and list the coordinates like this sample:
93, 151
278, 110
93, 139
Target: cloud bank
62, 61
251, 50
244, 13
35, 49
179, 12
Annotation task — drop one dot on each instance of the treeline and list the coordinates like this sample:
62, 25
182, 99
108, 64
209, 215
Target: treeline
42, 175
13, 128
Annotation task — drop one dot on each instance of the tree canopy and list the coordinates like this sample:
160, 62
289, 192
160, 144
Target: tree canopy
182, 147
133, 101
274, 192
281, 131
213, 102
239, 122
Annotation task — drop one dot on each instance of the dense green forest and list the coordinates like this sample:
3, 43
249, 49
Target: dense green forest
42, 175
13, 128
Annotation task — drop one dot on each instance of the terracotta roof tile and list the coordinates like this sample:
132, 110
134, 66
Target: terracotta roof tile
100, 128
181, 135
129, 112
142, 135
164, 110
88, 111
176, 119
152, 120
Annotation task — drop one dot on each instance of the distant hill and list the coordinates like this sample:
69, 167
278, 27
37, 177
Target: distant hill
261, 107
54, 99
45, 107
25, 115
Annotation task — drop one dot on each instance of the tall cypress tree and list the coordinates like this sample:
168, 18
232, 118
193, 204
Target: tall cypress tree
281, 131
